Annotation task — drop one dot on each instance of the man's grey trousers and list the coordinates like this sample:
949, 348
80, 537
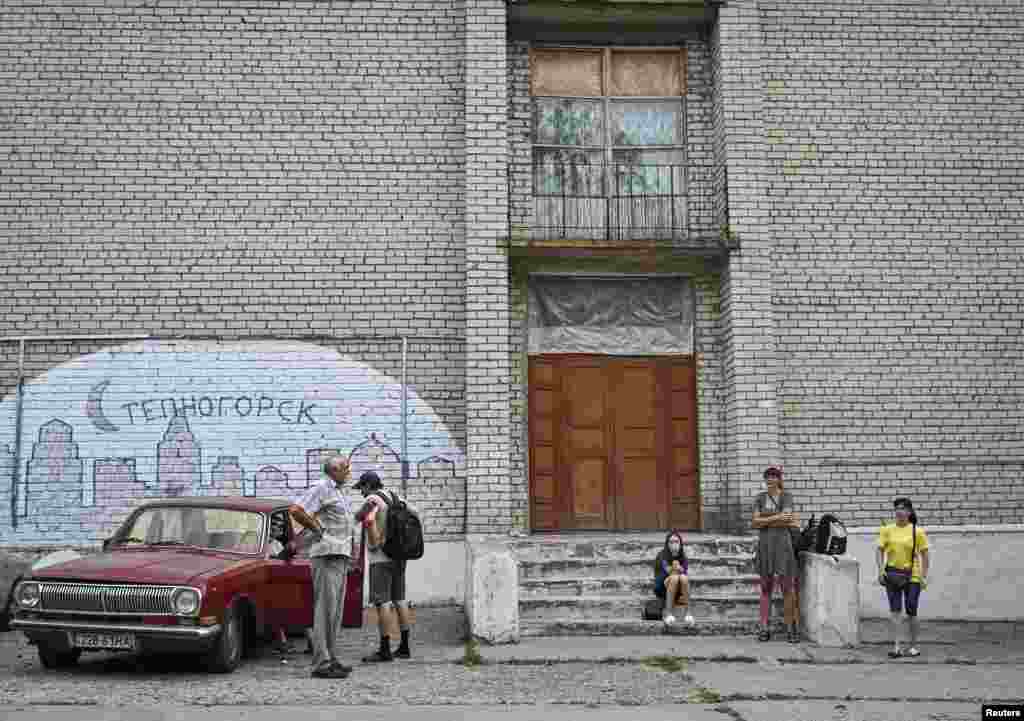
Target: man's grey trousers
329, 575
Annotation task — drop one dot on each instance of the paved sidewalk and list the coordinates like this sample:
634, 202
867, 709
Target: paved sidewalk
610, 678
728, 649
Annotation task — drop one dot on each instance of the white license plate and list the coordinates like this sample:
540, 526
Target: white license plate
110, 641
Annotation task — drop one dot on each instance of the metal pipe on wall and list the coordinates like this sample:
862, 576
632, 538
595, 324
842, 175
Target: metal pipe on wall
15, 471
405, 419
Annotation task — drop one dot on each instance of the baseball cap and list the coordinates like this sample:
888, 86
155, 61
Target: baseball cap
367, 478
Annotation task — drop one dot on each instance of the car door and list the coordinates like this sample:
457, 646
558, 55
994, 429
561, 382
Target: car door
291, 589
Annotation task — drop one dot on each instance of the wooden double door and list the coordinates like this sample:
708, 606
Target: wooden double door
613, 442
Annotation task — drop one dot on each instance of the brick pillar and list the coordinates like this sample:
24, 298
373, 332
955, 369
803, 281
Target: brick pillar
749, 336
487, 288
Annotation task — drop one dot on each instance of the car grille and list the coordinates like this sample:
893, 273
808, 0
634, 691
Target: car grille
104, 598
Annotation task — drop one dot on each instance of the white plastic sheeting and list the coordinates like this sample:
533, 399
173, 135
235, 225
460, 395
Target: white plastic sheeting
611, 316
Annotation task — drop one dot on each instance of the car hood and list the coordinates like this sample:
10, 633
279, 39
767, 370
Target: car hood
170, 567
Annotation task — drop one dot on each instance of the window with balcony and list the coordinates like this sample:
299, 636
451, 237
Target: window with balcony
609, 139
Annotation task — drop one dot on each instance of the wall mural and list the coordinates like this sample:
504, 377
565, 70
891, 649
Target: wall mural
159, 418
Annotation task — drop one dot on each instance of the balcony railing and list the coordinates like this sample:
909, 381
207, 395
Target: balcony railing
626, 204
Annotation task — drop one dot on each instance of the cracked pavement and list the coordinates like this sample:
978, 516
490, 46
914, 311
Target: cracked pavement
593, 677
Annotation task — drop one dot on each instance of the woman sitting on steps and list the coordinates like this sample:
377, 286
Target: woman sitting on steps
670, 579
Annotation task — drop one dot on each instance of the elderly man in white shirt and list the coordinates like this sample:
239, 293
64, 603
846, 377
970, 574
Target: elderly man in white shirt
325, 511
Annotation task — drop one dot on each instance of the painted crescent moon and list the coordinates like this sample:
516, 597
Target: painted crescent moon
94, 408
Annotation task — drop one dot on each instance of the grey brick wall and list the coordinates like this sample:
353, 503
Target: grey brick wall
897, 168
267, 169
487, 299
256, 168
748, 333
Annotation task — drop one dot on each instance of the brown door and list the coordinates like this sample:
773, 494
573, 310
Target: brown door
613, 442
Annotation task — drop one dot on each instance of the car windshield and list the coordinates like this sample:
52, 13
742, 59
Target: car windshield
217, 528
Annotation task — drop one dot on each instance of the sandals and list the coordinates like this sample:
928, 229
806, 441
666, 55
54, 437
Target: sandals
764, 635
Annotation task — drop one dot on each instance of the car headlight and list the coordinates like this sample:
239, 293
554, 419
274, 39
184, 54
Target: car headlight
27, 594
186, 602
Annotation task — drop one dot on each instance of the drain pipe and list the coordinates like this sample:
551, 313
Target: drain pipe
15, 472
405, 419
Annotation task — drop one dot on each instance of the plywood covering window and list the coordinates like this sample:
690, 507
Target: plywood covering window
609, 141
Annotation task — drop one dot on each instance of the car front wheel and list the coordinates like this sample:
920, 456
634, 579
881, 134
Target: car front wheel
226, 653
52, 658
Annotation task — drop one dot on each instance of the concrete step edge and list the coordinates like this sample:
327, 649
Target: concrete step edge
737, 578
597, 598
619, 627
634, 558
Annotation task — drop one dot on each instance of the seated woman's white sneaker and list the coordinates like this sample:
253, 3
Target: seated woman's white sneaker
669, 619
689, 620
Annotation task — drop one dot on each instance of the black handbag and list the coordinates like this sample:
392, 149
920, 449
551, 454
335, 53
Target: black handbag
653, 608
897, 578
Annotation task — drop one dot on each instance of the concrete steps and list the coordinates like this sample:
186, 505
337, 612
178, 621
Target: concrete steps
704, 566
637, 627
596, 584
739, 585
584, 608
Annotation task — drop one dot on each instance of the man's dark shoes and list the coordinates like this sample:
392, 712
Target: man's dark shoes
383, 653
332, 671
403, 648
378, 657
793, 635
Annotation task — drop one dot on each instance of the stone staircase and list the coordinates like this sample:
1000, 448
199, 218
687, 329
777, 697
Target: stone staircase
596, 584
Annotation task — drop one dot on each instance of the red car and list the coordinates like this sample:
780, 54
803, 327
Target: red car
195, 575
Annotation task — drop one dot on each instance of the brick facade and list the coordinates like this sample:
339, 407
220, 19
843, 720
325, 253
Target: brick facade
749, 340
275, 170
346, 174
896, 159
487, 299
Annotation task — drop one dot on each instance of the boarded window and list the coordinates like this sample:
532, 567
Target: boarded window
566, 72
641, 73
571, 73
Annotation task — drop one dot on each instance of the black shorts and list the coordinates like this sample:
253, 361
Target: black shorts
387, 582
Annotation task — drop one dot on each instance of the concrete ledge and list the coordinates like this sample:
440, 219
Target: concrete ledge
830, 599
948, 631
973, 575
492, 592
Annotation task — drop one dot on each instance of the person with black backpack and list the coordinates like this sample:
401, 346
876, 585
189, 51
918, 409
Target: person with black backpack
903, 571
394, 536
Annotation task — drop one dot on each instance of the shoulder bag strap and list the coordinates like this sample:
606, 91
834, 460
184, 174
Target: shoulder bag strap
913, 549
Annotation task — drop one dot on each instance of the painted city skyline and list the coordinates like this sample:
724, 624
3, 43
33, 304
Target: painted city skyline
239, 421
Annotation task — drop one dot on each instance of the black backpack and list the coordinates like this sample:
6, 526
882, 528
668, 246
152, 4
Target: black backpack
404, 540
830, 537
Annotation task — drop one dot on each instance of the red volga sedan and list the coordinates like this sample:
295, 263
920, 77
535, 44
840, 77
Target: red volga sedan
196, 575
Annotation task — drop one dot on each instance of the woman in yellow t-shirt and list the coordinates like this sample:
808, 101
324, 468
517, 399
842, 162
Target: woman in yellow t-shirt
903, 571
